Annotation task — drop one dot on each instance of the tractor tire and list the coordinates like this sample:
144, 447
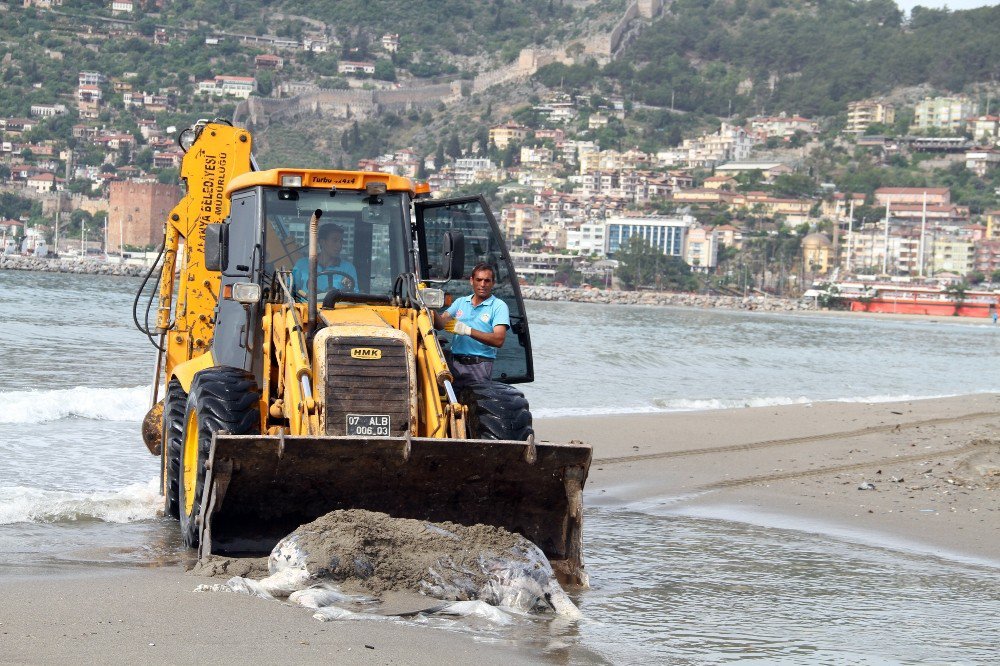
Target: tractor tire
174, 406
221, 399
496, 411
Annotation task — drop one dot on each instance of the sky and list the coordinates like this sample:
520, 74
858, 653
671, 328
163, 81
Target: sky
907, 5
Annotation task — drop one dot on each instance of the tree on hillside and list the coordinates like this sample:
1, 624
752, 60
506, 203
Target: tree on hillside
453, 148
384, 70
793, 185
642, 265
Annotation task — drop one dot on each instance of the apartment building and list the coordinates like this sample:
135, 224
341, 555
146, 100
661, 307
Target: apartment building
986, 257
728, 144
516, 219
839, 206
231, 86
982, 160
502, 135
587, 239
782, 126
665, 233
985, 128
864, 113
701, 249
944, 113
468, 170
952, 254
91, 79
390, 42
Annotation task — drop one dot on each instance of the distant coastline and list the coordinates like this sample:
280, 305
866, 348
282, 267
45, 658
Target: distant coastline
530, 292
662, 298
80, 266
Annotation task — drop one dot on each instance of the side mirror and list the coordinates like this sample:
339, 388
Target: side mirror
216, 246
453, 254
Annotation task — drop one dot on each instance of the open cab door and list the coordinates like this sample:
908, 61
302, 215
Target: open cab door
483, 243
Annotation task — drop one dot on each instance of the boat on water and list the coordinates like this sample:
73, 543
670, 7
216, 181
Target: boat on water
902, 298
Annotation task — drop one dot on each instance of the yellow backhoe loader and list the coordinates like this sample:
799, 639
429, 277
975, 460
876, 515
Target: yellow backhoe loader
286, 399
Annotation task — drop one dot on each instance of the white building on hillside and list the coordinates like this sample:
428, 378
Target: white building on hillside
665, 233
231, 86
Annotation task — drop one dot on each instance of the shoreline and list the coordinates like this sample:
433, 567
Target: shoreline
756, 303
933, 467
75, 266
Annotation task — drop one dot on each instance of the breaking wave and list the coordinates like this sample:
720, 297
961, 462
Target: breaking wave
134, 502
101, 404
696, 405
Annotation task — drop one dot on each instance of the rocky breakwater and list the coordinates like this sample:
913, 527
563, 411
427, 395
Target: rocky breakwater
85, 266
659, 298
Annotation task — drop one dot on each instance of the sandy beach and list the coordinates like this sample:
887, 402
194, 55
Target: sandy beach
933, 466
918, 475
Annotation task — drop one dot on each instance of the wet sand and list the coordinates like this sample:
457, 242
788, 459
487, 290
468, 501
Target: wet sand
933, 467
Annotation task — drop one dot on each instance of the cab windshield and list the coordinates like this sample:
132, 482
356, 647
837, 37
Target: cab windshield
362, 239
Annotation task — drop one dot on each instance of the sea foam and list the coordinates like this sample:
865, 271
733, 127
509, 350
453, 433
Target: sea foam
134, 502
102, 404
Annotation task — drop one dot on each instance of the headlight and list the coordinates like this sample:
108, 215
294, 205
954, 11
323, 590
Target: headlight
432, 298
247, 293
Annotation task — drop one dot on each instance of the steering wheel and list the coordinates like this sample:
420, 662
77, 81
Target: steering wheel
346, 283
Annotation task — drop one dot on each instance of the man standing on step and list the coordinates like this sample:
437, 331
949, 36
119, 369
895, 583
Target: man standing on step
479, 322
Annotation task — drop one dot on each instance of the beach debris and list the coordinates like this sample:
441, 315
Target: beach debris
377, 553
867, 486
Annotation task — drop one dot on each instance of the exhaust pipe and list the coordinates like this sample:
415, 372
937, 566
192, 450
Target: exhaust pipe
313, 267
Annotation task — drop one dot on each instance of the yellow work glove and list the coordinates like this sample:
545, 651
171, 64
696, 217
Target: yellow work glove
457, 327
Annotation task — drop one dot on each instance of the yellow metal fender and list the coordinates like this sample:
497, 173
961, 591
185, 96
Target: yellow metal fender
152, 423
185, 372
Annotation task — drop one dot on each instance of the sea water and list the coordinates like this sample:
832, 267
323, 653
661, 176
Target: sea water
78, 488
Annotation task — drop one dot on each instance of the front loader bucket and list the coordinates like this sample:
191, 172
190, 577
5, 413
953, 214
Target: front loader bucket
259, 488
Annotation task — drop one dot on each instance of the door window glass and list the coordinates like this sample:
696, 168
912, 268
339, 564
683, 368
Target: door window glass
483, 243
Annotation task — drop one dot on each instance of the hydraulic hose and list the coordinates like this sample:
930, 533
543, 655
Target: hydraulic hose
138, 295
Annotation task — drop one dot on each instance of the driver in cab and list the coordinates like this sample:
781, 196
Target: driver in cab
332, 270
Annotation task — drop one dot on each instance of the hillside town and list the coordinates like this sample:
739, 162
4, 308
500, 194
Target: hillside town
569, 194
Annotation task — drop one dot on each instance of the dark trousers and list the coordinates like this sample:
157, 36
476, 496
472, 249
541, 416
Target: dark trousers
470, 370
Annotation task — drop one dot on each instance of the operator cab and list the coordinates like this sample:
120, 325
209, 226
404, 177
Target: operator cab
389, 251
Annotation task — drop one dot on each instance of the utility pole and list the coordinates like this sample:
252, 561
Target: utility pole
885, 255
923, 231
850, 236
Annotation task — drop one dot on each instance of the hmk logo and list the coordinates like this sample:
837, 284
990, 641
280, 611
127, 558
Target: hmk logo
367, 353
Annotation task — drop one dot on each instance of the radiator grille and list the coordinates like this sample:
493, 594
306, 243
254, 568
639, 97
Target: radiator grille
366, 385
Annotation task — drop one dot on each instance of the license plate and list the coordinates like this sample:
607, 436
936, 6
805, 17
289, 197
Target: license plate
368, 425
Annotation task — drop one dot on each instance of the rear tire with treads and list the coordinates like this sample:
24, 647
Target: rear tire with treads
174, 406
221, 399
496, 411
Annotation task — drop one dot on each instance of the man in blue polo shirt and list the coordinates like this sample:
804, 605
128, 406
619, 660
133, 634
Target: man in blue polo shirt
479, 322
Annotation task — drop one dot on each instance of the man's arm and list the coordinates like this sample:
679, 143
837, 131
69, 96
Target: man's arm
441, 318
494, 339
353, 272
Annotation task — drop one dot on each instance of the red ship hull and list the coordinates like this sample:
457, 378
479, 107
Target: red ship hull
917, 306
